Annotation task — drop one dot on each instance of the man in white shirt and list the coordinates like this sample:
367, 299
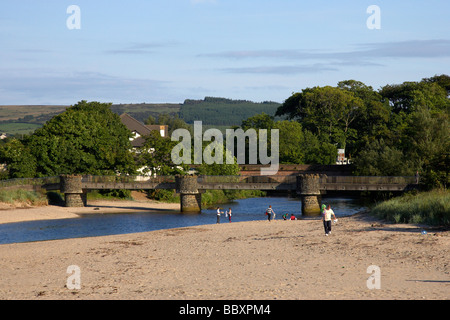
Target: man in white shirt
326, 218
218, 214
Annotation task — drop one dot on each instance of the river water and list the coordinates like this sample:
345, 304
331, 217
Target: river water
121, 223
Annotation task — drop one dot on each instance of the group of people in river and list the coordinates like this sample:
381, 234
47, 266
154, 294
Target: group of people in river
227, 214
325, 211
271, 215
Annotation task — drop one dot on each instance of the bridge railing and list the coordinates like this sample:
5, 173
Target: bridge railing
127, 179
246, 179
368, 180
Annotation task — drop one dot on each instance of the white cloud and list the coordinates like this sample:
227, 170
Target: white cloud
364, 55
401, 49
283, 70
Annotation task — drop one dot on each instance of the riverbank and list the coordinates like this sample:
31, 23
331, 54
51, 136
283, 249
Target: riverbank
432, 208
245, 260
10, 213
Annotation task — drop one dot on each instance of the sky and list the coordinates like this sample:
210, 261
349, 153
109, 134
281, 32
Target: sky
159, 51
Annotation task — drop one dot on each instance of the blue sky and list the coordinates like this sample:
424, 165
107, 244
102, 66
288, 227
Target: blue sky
168, 51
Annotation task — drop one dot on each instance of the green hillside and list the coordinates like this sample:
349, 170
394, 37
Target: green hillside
222, 111
142, 111
213, 112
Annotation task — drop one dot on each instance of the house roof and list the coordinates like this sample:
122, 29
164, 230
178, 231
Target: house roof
136, 126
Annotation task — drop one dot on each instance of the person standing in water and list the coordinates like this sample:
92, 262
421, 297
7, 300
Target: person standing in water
218, 214
269, 212
326, 218
229, 214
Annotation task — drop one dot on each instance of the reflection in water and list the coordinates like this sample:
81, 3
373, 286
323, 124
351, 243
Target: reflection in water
110, 224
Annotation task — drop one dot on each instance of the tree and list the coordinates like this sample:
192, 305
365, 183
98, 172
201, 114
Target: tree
326, 111
409, 95
442, 80
428, 145
155, 156
296, 145
88, 138
258, 121
380, 159
20, 163
291, 106
317, 151
372, 122
291, 142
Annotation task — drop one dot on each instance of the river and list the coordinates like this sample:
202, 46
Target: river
121, 223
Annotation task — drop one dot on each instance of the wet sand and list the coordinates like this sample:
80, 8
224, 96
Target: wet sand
245, 260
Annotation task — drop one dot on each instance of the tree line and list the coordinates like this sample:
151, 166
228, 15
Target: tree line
397, 130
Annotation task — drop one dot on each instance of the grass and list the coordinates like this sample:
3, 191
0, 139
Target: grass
432, 208
13, 128
14, 112
213, 197
20, 197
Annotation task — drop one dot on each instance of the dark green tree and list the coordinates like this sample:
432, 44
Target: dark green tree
326, 111
442, 80
380, 159
317, 151
408, 96
19, 161
291, 142
372, 122
88, 138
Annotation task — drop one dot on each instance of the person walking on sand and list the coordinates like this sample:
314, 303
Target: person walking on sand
218, 214
269, 213
326, 218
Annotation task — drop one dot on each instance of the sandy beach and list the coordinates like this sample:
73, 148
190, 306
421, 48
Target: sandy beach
247, 260
9, 214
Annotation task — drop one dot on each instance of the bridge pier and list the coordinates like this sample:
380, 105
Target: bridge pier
74, 196
190, 196
308, 187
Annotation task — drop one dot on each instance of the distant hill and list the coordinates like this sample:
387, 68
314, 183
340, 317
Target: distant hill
29, 114
212, 111
142, 111
222, 111
23, 119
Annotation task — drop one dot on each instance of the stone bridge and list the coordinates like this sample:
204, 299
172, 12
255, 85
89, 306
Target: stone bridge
191, 187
